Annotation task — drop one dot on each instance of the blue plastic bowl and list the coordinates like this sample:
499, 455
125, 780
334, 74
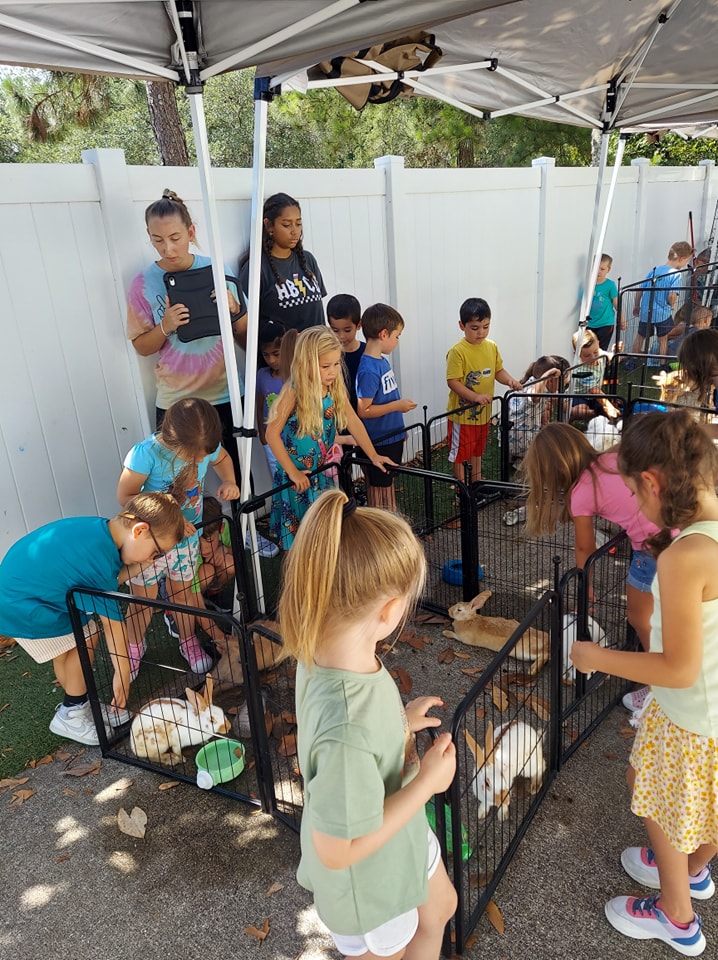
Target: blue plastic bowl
453, 573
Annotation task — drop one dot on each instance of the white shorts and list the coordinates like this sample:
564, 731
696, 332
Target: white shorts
396, 933
179, 564
50, 647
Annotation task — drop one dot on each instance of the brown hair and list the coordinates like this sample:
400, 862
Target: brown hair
378, 317
682, 452
169, 206
212, 516
698, 360
160, 511
607, 258
679, 250
339, 565
190, 425
555, 459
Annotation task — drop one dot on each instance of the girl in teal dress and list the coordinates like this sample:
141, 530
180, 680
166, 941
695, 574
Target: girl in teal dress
304, 421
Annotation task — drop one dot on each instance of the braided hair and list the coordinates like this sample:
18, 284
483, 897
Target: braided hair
273, 208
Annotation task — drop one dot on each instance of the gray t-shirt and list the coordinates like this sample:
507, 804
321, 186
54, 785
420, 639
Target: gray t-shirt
355, 751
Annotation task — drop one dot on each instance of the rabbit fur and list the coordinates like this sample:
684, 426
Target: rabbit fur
164, 727
227, 672
602, 434
514, 752
569, 637
475, 630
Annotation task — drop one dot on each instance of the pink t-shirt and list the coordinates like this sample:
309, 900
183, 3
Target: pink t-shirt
610, 498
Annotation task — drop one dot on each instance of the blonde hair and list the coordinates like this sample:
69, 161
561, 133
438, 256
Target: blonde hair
339, 565
589, 338
160, 511
555, 459
680, 250
312, 344
682, 452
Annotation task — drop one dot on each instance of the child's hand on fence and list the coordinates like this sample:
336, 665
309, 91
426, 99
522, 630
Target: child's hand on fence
189, 529
484, 398
406, 405
300, 479
381, 463
228, 491
416, 711
438, 765
585, 656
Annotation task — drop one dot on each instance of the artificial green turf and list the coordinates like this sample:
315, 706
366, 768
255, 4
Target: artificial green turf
28, 697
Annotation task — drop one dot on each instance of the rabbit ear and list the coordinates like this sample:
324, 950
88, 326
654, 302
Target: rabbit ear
478, 601
489, 738
196, 700
476, 750
208, 689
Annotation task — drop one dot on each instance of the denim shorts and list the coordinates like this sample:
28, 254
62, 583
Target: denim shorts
642, 571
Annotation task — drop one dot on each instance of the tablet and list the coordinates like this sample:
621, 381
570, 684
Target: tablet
194, 289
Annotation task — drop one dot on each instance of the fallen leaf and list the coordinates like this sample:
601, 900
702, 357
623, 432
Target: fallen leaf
275, 888
480, 880
61, 755
472, 671
418, 643
83, 769
257, 932
447, 655
627, 732
288, 745
48, 758
480, 713
470, 941
289, 717
69, 793
501, 701
495, 916
403, 680
406, 635
610, 756
12, 782
238, 752
88, 790
62, 859
423, 617
461, 655
168, 784
438, 620
542, 708
20, 796
4, 707
132, 824
7, 642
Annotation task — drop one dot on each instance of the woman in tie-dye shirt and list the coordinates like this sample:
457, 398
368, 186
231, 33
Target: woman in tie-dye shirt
195, 368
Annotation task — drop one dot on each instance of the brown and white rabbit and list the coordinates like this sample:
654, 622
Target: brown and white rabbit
164, 727
475, 630
228, 672
514, 752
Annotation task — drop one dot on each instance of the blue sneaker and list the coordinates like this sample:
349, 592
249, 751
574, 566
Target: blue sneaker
640, 864
642, 919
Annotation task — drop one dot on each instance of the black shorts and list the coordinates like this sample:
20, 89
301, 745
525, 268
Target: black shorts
375, 477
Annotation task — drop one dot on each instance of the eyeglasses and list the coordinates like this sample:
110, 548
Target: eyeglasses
133, 516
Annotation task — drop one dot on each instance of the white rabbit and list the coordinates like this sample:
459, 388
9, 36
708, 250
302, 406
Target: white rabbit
602, 434
163, 727
596, 632
514, 752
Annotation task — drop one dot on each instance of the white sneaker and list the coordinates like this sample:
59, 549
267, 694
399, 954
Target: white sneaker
636, 699
75, 723
244, 728
265, 548
114, 716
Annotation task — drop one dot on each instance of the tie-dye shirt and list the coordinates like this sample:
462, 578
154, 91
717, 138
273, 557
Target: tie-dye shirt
194, 369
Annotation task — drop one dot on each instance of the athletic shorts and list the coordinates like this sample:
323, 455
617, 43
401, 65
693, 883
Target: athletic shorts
660, 329
395, 934
467, 440
376, 477
179, 564
642, 571
48, 648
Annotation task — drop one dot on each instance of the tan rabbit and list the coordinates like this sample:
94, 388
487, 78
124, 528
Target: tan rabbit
471, 628
228, 671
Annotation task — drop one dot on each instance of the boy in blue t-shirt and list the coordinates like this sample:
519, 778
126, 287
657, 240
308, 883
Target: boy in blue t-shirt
657, 297
378, 402
78, 552
602, 314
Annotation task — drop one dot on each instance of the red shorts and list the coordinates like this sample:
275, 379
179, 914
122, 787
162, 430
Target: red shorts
467, 440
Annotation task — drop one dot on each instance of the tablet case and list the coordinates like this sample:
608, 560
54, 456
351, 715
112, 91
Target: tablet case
193, 288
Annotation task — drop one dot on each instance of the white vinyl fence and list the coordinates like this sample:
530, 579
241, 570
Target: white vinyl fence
73, 394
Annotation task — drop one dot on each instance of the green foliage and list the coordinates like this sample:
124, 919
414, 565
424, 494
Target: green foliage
69, 113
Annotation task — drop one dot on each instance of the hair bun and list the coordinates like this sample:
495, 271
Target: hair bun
168, 194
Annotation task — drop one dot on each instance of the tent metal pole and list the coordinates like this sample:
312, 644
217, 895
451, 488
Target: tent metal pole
204, 164
590, 287
605, 137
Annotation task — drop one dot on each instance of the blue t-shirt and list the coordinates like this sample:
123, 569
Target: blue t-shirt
376, 382
602, 312
269, 387
153, 460
655, 289
39, 569
350, 367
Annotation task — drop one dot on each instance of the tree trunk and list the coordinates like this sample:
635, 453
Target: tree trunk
166, 123
465, 156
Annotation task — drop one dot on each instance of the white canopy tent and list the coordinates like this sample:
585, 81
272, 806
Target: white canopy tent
606, 65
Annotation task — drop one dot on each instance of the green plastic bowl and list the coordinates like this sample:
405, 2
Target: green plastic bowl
217, 762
